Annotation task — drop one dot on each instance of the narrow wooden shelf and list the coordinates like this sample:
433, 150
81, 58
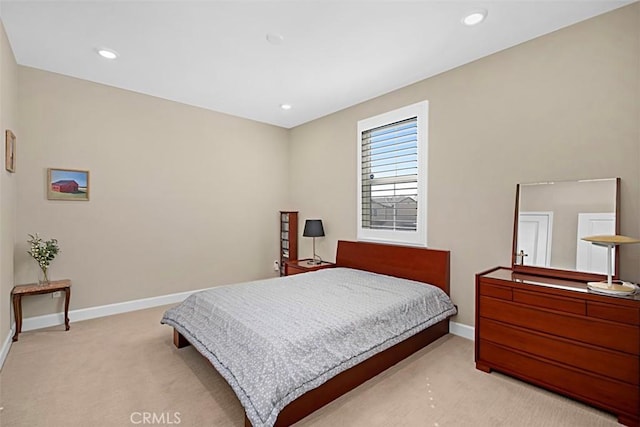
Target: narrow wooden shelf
288, 238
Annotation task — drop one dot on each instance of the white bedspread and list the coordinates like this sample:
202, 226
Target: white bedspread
273, 340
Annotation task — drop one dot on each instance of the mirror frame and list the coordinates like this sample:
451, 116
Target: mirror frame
556, 272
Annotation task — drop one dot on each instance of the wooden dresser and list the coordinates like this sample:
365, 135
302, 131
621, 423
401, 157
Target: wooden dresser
556, 334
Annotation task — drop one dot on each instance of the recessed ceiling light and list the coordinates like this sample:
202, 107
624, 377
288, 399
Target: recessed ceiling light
107, 53
274, 38
285, 106
475, 17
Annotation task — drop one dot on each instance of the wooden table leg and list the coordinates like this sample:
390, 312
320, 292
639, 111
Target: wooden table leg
67, 298
17, 313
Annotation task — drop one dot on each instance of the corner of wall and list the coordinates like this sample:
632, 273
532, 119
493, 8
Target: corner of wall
8, 120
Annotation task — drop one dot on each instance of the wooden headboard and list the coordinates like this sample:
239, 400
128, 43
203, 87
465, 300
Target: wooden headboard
420, 264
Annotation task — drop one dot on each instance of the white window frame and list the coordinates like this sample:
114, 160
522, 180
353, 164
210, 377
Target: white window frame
418, 237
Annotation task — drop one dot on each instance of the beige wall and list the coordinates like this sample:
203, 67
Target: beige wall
8, 120
563, 106
181, 198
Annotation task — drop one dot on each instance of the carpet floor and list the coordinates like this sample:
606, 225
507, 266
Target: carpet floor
123, 370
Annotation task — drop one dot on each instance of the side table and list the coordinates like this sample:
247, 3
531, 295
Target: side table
304, 266
34, 289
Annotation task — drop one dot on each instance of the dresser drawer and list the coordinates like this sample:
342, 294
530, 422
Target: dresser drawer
537, 299
609, 394
613, 364
501, 292
589, 330
614, 312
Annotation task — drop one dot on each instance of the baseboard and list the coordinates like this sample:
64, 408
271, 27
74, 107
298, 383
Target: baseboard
6, 345
461, 330
39, 322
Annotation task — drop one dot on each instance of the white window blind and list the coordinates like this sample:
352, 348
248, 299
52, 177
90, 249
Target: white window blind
392, 154
390, 176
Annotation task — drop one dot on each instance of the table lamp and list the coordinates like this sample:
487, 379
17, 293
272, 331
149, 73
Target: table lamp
609, 241
313, 228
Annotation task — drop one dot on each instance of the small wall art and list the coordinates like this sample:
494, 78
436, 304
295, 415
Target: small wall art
9, 151
67, 184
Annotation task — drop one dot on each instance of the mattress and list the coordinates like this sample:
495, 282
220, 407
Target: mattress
275, 339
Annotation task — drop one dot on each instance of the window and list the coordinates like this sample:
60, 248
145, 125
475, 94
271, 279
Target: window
392, 176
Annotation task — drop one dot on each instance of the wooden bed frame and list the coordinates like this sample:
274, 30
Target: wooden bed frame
420, 264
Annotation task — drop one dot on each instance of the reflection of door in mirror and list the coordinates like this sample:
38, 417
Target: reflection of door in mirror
590, 257
534, 238
547, 229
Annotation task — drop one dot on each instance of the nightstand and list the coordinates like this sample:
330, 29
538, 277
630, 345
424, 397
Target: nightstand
304, 266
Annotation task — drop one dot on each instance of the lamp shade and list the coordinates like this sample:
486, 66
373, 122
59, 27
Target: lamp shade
313, 228
610, 240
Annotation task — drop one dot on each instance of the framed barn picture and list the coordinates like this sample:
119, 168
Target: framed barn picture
67, 184
9, 151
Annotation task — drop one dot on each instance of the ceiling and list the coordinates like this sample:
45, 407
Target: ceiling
215, 54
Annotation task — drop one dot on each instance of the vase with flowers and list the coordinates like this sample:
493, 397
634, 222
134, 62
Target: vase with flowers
43, 252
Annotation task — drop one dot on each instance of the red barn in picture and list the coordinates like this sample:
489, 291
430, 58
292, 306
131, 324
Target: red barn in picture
65, 186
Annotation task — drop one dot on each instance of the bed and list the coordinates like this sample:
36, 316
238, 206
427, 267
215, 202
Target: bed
284, 358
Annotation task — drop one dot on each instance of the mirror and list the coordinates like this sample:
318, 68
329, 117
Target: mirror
552, 217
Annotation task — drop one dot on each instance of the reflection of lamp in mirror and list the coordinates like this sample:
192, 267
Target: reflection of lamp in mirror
313, 228
617, 287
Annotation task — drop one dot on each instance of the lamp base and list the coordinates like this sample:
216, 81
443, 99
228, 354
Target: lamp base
617, 287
